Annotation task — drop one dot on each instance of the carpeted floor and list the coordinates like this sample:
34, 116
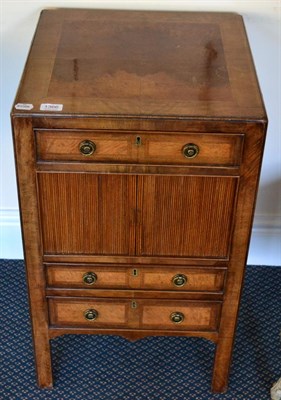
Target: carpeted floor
158, 368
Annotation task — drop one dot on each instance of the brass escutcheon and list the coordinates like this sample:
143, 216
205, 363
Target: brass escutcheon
134, 304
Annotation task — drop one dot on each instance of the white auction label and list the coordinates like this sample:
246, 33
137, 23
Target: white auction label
51, 107
23, 106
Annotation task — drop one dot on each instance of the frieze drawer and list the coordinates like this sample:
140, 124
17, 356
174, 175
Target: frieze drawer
213, 149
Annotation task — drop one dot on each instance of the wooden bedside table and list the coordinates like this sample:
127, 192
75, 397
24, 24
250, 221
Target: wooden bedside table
138, 142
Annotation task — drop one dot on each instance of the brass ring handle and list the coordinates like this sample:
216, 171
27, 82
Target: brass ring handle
87, 147
177, 317
179, 280
91, 315
190, 150
90, 278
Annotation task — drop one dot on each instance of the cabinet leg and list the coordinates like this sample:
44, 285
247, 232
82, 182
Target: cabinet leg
42, 354
222, 365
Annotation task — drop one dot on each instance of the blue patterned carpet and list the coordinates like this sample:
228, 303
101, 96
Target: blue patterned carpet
159, 368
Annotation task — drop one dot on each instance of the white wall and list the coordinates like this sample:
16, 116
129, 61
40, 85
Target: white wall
263, 24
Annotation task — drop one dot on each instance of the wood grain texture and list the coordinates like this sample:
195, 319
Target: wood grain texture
144, 314
171, 79
114, 313
26, 178
171, 206
254, 145
145, 63
197, 316
198, 279
135, 277
138, 169
131, 293
120, 147
131, 334
86, 213
156, 124
156, 260
185, 216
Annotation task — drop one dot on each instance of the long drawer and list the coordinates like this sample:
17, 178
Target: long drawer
206, 279
135, 314
213, 149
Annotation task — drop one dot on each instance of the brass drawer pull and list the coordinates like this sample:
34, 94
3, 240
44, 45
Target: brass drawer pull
179, 280
177, 317
190, 150
87, 147
90, 278
91, 315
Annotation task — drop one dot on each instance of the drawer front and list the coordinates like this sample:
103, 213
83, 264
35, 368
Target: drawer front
90, 277
184, 315
145, 278
93, 313
140, 147
184, 279
135, 314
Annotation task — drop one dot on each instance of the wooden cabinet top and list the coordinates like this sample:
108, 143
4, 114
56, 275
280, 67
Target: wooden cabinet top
141, 64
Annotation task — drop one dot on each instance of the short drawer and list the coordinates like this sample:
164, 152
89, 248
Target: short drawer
146, 278
214, 149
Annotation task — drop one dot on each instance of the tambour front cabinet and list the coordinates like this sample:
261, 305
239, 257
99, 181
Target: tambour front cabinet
138, 142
